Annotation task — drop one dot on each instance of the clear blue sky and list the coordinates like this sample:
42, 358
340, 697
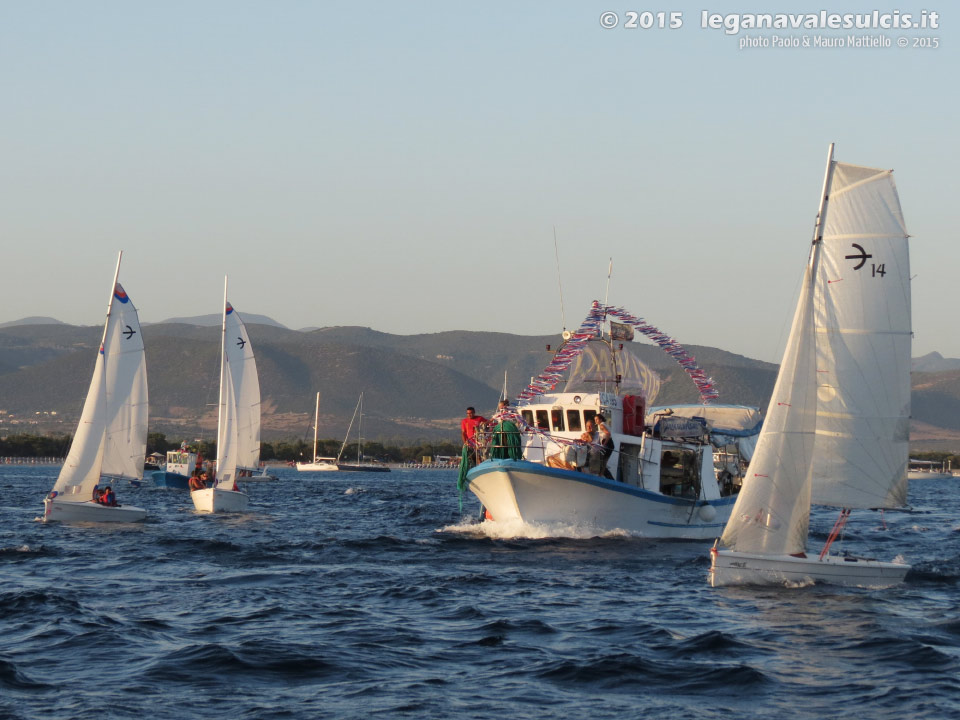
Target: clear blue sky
402, 165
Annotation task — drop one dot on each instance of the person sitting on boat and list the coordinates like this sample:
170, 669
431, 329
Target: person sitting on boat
601, 449
97, 494
108, 498
196, 481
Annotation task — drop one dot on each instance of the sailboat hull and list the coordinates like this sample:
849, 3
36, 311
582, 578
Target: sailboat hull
737, 568
517, 490
81, 512
317, 467
215, 500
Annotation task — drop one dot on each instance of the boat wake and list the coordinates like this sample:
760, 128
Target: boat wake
517, 529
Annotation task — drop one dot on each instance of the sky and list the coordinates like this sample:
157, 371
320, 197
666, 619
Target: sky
417, 166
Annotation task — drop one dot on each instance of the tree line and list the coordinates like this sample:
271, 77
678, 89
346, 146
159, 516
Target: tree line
287, 450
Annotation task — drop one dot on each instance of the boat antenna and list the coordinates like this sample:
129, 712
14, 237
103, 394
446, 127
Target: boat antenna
556, 253
503, 393
606, 297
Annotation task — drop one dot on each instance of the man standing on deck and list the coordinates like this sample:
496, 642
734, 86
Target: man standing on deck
468, 427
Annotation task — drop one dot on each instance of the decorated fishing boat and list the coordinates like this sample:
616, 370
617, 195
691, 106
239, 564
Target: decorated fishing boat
596, 454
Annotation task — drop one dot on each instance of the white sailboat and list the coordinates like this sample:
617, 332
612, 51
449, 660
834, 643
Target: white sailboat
362, 464
837, 428
111, 438
319, 464
238, 425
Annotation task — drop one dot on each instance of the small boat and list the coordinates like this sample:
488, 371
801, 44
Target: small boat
111, 437
238, 422
362, 464
837, 429
319, 464
176, 473
929, 470
326, 464
672, 472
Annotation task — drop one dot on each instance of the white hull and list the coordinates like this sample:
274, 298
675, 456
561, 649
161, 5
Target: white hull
736, 568
214, 500
317, 467
90, 512
516, 490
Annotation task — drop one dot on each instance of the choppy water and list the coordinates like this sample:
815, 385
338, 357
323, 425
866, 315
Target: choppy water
353, 596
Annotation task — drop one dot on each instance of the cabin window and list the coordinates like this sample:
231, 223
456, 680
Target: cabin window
679, 472
556, 419
573, 421
542, 422
527, 416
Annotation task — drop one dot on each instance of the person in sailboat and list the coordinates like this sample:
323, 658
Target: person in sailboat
196, 482
108, 497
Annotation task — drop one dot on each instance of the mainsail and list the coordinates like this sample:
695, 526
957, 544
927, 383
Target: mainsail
112, 434
863, 345
238, 430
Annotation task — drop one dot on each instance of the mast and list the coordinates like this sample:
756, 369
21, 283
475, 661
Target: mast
360, 429
821, 215
316, 421
113, 290
223, 362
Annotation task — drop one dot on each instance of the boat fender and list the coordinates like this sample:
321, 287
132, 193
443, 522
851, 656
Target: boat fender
707, 512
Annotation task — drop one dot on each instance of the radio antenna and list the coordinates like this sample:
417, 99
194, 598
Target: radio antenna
556, 253
609, 273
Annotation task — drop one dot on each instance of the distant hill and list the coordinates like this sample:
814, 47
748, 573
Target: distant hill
416, 386
214, 320
36, 320
934, 362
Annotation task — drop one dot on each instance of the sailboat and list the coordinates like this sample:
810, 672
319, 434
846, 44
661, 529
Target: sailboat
837, 428
238, 422
111, 438
361, 465
319, 464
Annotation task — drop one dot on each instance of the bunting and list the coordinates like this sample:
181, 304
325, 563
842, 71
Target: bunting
592, 327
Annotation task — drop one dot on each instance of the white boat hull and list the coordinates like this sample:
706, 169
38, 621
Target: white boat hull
736, 568
89, 511
517, 490
317, 467
215, 500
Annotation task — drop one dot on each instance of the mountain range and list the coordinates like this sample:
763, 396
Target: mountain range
415, 387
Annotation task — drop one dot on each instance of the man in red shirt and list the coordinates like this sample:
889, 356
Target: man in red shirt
468, 427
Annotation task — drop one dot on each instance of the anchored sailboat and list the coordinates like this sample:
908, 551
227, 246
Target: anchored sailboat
111, 438
238, 424
319, 464
837, 428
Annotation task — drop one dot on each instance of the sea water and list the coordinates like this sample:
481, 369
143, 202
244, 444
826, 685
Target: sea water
361, 596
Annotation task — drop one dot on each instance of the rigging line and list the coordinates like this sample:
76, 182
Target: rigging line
556, 252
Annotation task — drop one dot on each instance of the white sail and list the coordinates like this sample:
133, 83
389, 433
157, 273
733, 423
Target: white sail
125, 445
243, 373
111, 436
863, 344
238, 430
772, 512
